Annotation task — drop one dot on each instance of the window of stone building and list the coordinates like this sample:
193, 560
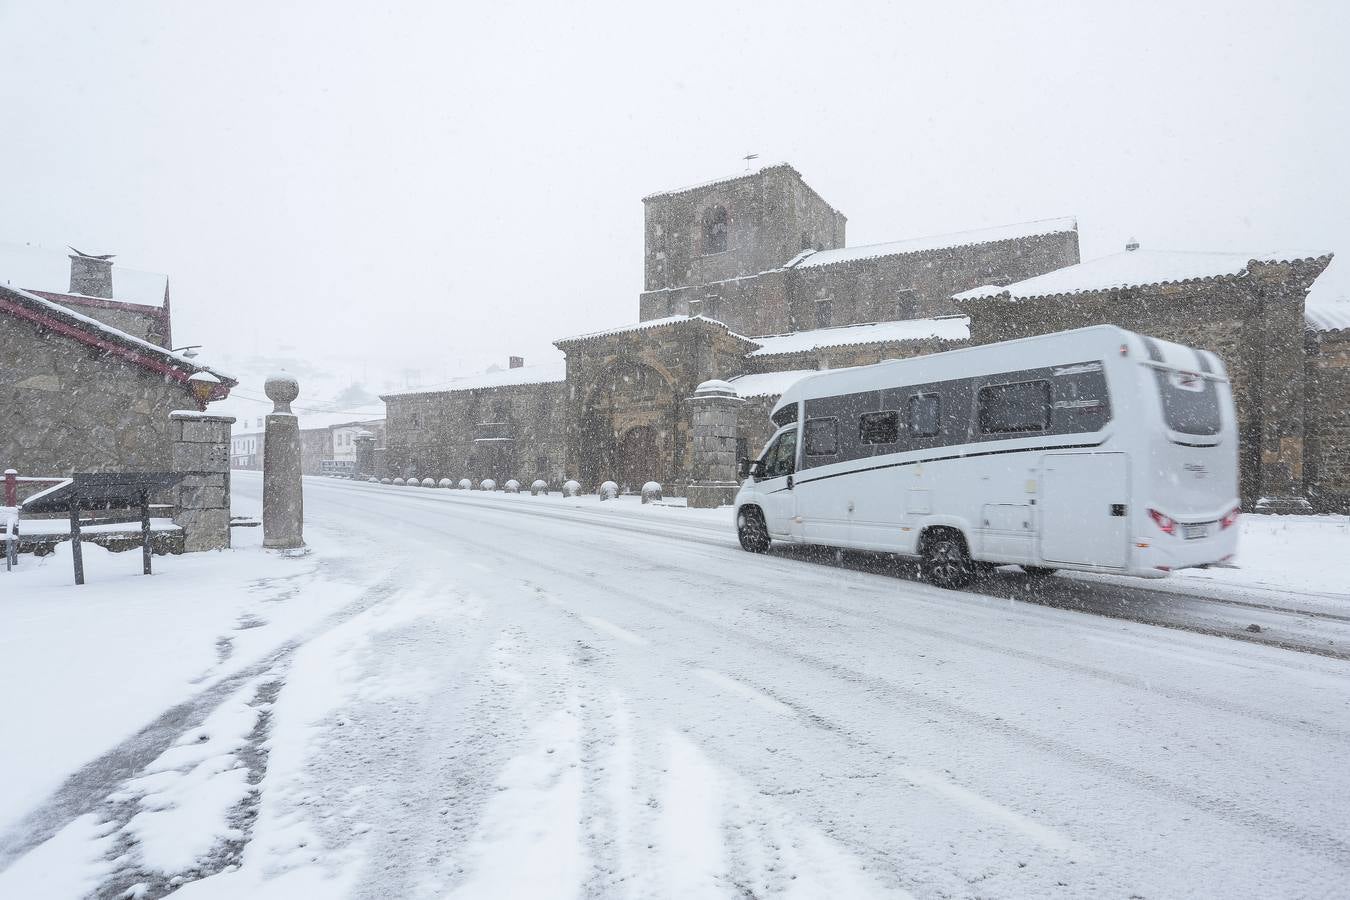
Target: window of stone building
670, 305
906, 305
712, 306
715, 222
695, 307
823, 313
501, 410
541, 465
414, 420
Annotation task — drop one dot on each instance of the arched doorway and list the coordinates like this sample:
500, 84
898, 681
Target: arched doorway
628, 427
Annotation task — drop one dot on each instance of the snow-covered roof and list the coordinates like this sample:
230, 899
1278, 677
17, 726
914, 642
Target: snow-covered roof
1327, 316
938, 242
767, 384
647, 326
544, 373
92, 330
945, 328
39, 269
1132, 268
750, 173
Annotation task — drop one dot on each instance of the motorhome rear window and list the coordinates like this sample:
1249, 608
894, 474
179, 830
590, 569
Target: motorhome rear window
879, 427
1014, 408
1190, 403
822, 437
925, 415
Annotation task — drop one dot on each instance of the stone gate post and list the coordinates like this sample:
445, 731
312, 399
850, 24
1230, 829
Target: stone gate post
715, 415
200, 445
283, 499
365, 455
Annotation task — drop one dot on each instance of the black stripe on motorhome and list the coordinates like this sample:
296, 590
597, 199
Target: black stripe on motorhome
928, 459
1079, 399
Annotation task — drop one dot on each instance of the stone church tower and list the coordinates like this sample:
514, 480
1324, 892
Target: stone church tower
701, 241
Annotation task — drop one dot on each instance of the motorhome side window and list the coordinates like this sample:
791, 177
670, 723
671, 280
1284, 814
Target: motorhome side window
879, 427
1014, 408
785, 416
822, 437
925, 415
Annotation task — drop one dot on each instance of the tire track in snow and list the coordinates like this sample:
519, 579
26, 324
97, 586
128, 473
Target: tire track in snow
959, 719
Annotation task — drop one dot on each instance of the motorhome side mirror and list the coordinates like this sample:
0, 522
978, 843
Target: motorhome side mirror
743, 467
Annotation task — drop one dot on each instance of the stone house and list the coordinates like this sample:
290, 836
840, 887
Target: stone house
748, 281
79, 395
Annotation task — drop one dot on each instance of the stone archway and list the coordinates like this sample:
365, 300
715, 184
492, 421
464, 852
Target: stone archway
628, 427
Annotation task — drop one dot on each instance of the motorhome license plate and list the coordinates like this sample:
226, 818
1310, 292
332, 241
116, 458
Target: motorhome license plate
1191, 532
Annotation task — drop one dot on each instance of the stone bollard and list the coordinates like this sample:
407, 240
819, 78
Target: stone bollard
399, 482
446, 483
609, 490
715, 418
540, 486
651, 492
386, 480
429, 482
512, 486
283, 492
199, 445
487, 484
465, 484
571, 488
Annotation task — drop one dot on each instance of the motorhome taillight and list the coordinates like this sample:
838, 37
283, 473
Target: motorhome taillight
1166, 523
1230, 518
1124, 349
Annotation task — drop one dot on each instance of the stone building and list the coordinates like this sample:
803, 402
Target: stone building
79, 395
748, 280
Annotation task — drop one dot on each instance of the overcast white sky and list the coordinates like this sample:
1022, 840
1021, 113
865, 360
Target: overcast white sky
434, 186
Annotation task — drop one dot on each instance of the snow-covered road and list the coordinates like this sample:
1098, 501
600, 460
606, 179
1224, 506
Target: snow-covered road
558, 702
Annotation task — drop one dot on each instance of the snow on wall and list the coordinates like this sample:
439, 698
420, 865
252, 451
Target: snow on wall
645, 326
946, 328
767, 384
724, 179
545, 373
939, 242
1327, 316
40, 269
1130, 268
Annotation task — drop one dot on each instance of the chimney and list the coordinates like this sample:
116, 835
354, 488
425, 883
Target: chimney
91, 275
1131, 244
517, 362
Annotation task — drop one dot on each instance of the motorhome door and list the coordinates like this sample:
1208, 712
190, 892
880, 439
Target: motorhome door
1083, 500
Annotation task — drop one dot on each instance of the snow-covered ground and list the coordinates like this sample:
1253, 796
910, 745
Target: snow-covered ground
458, 695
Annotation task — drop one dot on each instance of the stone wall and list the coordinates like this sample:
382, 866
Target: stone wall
68, 408
1327, 451
149, 323
918, 285
772, 215
199, 445
752, 305
446, 434
1253, 322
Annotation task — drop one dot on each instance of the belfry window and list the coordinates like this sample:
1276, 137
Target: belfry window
715, 230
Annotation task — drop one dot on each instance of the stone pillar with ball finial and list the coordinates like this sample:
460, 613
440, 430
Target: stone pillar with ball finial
283, 498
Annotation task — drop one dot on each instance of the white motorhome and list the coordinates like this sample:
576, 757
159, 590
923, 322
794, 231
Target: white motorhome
1095, 450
